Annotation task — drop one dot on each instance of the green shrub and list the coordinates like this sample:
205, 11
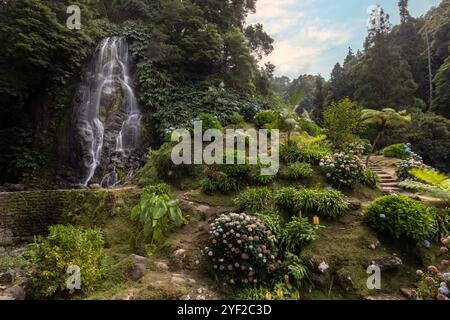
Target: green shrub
229, 184
236, 119
241, 250
263, 118
240, 166
342, 169
370, 178
255, 200
324, 203
259, 179
298, 170
298, 233
313, 156
290, 152
209, 121
208, 186
310, 127
287, 200
402, 217
273, 221
155, 213
396, 151
158, 189
66, 246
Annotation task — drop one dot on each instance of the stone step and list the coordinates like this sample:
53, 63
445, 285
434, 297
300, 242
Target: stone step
387, 180
385, 297
389, 184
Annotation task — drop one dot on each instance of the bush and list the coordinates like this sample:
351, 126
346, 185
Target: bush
66, 246
401, 217
209, 121
236, 119
249, 110
254, 200
353, 148
298, 170
370, 178
325, 203
310, 127
222, 183
155, 213
287, 200
321, 202
290, 152
240, 249
298, 233
342, 170
396, 151
402, 169
259, 179
263, 118
158, 189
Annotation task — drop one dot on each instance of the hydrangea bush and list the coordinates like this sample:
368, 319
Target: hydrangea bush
435, 281
404, 167
343, 169
241, 250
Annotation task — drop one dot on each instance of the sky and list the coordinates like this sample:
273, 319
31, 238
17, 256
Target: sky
312, 35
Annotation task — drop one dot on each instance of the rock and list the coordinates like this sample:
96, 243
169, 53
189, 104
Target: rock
354, 203
139, 259
386, 263
16, 292
180, 253
203, 208
136, 271
161, 266
409, 293
344, 279
6, 298
178, 281
384, 297
6, 277
95, 186
6, 237
191, 282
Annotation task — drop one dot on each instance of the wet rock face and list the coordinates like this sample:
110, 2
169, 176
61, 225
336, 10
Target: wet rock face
106, 119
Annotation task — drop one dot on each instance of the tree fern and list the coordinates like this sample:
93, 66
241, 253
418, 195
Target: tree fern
433, 183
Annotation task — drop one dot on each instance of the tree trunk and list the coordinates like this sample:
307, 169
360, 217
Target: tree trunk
377, 139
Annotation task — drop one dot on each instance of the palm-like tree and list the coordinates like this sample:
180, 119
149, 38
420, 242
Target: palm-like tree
385, 118
289, 116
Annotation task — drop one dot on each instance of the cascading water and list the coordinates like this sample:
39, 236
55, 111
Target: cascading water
106, 113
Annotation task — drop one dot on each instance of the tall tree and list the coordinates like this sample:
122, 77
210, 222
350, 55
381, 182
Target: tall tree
441, 102
404, 12
319, 100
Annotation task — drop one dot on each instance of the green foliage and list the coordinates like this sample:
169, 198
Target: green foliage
343, 122
296, 234
264, 118
237, 119
208, 121
396, 151
66, 246
254, 200
325, 203
223, 183
295, 268
343, 170
434, 183
157, 189
297, 171
310, 127
259, 179
290, 152
370, 178
155, 213
253, 247
402, 217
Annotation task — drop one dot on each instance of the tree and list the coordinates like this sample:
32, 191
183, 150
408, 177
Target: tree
404, 12
319, 100
260, 42
383, 119
343, 122
382, 76
441, 101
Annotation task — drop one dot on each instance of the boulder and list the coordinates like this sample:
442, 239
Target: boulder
178, 280
6, 277
386, 263
16, 292
136, 271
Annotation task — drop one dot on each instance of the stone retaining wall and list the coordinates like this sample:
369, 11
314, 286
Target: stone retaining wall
24, 215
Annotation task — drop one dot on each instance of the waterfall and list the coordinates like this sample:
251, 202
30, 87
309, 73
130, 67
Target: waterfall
106, 113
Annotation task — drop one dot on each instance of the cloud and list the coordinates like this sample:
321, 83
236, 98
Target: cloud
301, 37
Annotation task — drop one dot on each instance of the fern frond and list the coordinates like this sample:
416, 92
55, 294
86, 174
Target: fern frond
432, 177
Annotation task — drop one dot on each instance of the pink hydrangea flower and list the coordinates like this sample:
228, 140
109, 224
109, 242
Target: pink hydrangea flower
433, 269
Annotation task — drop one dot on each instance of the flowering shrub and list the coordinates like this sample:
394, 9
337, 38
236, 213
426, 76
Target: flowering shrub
343, 170
241, 249
403, 168
354, 148
402, 217
434, 282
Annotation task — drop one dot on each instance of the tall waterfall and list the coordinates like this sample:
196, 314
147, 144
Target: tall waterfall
106, 113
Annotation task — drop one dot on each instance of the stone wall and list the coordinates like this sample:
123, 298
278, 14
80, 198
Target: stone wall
24, 215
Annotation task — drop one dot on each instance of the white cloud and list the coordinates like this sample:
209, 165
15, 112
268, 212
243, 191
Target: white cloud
300, 36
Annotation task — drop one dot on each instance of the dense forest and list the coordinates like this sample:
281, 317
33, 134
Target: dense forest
94, 203
190, 58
